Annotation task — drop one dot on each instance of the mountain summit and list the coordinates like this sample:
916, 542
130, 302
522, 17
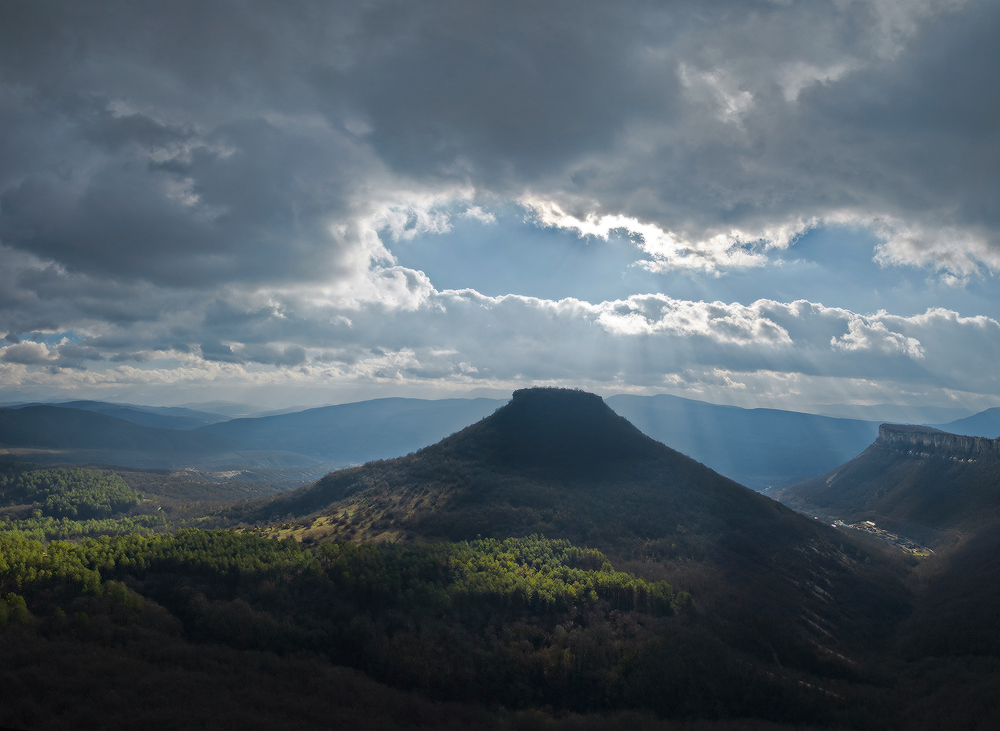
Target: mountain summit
548, 452
560, 464
554, 429
555, 462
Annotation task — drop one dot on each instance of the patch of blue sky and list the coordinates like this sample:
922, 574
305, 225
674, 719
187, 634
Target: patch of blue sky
835, 266
68, 337
516, 256
831, 265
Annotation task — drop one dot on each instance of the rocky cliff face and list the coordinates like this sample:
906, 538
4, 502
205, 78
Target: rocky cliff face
919, 441
918, 481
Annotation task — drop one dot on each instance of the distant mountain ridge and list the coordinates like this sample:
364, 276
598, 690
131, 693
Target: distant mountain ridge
176, 437
984, 424
891, 413
57, 427
160, 417
765, 449
64, 435
357, 432
760, 448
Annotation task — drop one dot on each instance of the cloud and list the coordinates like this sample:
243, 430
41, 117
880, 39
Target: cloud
174, 140
249, 201
174, 154
407, 222
649, 314
478, 214
960, 254
464, 337
724, 250
866, 335
27, 353
191, 192
719, 91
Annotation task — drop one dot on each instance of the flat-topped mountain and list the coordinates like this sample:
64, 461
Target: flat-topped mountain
565, 444
561, 464
555, 430
943, 490
916, 479
925, 441
760, 448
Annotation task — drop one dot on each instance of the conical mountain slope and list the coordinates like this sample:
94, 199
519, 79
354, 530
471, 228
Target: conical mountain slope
560, 463
552, 461
917, 480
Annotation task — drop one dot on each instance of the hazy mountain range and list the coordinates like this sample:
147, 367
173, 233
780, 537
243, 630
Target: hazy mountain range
984, 424
760, 448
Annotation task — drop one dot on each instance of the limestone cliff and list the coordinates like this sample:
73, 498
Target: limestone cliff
922, 441
911, 477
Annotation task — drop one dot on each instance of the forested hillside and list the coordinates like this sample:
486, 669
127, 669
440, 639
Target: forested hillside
561, 464
549, 567
521, 623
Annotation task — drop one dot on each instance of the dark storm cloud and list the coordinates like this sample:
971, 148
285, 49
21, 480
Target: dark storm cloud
154, 141
251, 201
37, 296
839, 133
506, 91
196, 143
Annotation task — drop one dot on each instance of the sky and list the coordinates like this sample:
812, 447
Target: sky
773, 203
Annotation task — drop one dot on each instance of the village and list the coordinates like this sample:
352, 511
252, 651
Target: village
904, 543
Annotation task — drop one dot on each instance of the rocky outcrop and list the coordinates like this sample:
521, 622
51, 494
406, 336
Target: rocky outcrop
915, 481
922, 441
